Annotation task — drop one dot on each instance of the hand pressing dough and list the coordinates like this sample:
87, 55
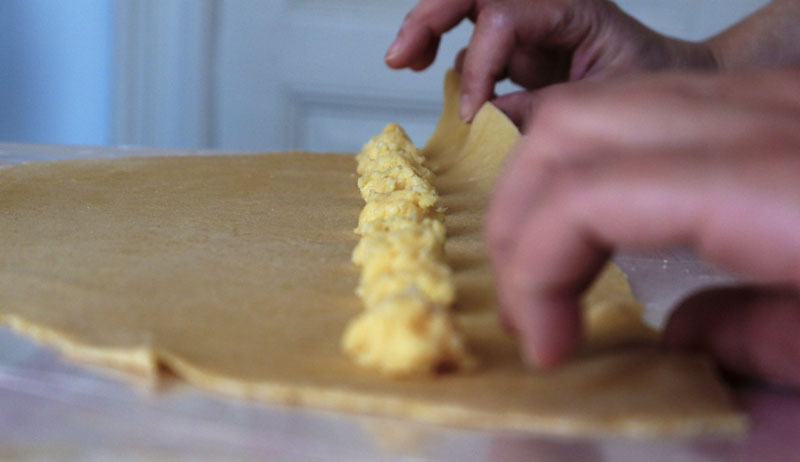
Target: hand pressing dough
234, 273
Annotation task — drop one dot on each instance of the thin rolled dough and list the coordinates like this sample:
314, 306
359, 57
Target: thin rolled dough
233, 272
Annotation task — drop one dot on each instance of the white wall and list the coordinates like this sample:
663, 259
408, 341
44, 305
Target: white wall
56, 71
309, 74
690, 19
237, 74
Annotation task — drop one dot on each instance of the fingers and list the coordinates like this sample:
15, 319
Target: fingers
458, 65
427, 57
489, 50
517, 105
516, 193
520, 106
518, 187
644, 113
421, 31
543, 299
586, 119
531, 42
574, 214
581, 210
748, 331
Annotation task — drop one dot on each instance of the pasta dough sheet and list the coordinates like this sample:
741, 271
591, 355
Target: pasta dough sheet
233, 272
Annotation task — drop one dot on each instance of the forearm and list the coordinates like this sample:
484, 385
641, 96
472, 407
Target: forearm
769, 38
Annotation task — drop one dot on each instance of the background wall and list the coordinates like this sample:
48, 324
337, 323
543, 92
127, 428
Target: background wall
237, 74
56, 71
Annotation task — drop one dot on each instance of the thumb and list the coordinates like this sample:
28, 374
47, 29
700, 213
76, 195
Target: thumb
749, 331
519, 106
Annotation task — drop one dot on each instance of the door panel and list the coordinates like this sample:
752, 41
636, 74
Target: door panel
304, 74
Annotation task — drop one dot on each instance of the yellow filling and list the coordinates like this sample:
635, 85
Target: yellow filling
406, 327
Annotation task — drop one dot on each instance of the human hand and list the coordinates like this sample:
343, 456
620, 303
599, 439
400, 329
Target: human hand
538, 43
712, 162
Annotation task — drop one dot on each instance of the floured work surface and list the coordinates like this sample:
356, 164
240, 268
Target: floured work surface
234, 273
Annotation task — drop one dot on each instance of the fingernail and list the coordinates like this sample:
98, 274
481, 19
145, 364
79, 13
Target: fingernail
465, 108
526, 331
507, 322
529, 354
391, 53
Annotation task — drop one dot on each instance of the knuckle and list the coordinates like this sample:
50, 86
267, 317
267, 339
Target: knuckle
496, 15
426, 11
410, 18
419, 14
563, 182
475, 81
469, 76
555, 110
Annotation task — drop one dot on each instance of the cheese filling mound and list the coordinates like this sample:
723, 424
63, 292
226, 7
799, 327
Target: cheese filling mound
406, 286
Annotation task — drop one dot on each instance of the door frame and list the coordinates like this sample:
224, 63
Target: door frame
164, 66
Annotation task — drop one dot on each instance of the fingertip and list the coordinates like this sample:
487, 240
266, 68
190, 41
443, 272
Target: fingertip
465, 108
418, 67
546, 357
550, 333
404, 48
507, 322
486, 57
397, 54
474, 92
392, 53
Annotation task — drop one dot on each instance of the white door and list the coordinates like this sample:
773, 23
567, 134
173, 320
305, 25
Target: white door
303, 74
